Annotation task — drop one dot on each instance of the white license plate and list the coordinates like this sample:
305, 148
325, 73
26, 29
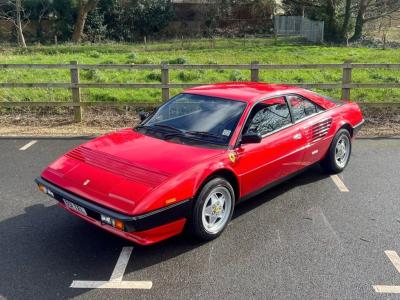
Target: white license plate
75, 207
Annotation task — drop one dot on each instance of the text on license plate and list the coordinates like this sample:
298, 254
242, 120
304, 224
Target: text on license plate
75, 207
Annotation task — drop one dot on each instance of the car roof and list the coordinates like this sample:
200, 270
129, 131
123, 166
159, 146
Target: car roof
243, 91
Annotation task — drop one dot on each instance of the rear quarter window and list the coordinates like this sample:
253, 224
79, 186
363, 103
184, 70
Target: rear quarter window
302, 107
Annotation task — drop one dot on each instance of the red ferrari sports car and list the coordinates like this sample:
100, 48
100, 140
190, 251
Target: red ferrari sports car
194, 158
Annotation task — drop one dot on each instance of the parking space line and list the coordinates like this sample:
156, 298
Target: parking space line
83, 284
31, 143
122, 262
339, 183
394, 258
115, 281
392, 289
389, 289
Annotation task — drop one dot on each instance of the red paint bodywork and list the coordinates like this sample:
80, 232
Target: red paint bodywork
135, 174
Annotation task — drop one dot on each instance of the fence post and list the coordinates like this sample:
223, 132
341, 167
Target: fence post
164, 81
76, 92
254, 75
346, 79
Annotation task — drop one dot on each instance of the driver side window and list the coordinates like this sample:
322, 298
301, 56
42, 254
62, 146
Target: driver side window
268, 116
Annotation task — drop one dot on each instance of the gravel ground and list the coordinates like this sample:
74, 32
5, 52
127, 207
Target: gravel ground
51, 122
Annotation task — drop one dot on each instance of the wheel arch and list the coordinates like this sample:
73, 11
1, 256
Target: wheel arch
348, 127
228, 175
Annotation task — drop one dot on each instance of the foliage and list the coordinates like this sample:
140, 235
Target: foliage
226, 52
343, 18
131, 19
95, 29
177, 61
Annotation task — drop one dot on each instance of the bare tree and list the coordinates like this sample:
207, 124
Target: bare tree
13, 12
85, 6
371, 10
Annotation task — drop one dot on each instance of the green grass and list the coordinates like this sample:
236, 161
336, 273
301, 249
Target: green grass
234, 51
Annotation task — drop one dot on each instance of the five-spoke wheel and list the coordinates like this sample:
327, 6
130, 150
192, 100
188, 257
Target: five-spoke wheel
213, 209
339, 152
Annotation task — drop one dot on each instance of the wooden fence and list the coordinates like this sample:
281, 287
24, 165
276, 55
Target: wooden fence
75, 85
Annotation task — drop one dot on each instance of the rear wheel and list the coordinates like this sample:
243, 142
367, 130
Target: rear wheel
213, 209
339, 152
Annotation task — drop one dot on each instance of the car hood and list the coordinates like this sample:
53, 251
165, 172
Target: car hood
117, 170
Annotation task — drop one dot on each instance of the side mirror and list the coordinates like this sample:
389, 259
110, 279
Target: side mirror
251, 139
143, 115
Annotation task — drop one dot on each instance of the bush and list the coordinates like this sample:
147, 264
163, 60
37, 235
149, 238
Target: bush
153, 76
145, 61
133, 56
92, 75
129, 20
188, 76
236, 76
108, 62
177, 61
94, 54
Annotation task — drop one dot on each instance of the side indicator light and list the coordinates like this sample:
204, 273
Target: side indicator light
42, 188
112, 222
169, 201
119, 224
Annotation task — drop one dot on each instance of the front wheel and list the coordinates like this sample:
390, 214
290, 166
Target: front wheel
213, 209
339, 152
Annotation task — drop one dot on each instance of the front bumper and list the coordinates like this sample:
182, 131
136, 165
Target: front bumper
168, 221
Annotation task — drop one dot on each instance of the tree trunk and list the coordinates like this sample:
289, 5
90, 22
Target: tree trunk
332, 30
84, 9
20, 33
358, 29
346, 20
79, 25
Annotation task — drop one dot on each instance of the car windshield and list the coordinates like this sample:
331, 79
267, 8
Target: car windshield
198, 118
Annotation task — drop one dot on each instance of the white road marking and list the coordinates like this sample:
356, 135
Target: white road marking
115, 281
394, 258
392, 289
122, 262
339, 183
23, 148
82, 284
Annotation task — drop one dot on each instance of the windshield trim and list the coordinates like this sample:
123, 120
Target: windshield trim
226, 144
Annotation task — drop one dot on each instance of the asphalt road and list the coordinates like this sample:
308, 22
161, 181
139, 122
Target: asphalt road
304, 239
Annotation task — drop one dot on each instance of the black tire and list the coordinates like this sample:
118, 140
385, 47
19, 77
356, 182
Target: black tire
330, 163
197, 228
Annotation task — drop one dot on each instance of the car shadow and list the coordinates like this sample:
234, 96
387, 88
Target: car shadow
45, 248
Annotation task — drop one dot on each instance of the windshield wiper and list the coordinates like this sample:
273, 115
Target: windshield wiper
156, 126
203, 134
167, 127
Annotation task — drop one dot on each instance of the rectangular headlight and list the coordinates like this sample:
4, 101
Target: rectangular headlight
107, 220
112, 222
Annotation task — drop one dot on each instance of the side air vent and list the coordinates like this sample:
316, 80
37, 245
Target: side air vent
118, 166
317, 131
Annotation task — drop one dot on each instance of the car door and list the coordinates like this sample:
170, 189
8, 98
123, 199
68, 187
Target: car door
280, 151
314, 124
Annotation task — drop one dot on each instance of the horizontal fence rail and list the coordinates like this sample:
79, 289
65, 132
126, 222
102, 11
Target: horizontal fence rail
165, 85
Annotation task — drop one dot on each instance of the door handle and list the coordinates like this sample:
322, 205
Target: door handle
297, 136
